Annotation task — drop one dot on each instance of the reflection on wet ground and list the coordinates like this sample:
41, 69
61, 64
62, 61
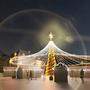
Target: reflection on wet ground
39, 84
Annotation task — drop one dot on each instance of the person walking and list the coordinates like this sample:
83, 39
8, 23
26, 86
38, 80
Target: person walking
82, 75
30, 75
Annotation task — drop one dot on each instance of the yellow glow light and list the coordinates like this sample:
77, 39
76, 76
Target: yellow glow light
10, 61
15, 54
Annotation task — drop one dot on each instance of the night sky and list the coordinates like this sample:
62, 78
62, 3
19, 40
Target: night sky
15, 35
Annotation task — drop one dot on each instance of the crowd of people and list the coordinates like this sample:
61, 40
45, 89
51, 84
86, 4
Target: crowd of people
19, 74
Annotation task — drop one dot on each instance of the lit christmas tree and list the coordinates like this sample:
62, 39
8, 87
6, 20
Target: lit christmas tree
51, 62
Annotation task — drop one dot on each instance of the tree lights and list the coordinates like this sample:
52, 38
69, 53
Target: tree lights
51, 62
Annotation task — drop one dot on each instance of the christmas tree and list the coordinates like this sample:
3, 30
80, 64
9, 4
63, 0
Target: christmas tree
51, 62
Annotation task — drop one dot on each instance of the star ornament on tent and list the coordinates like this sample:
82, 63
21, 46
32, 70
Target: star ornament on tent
51, 36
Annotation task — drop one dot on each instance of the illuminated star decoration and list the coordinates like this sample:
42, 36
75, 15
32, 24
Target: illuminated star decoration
50, 36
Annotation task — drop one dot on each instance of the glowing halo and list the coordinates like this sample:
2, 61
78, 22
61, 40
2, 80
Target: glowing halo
45, 11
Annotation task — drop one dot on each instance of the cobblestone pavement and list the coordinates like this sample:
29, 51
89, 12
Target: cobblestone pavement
40, 84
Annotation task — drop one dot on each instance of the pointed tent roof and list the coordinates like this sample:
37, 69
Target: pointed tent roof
44, 51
